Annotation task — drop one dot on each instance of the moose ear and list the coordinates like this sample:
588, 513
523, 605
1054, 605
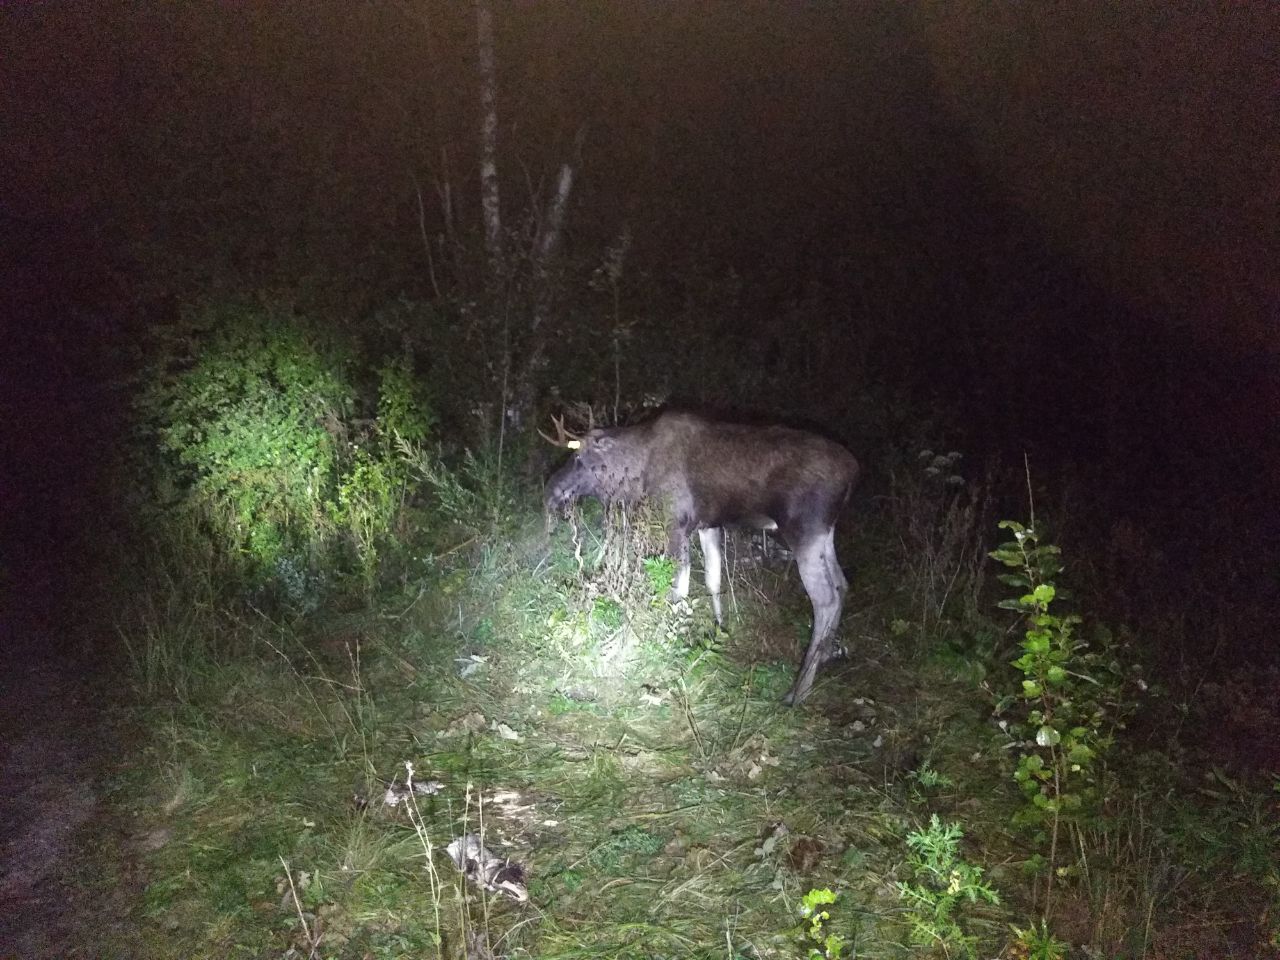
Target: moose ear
602, 443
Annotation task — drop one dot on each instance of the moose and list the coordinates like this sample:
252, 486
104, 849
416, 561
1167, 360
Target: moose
709, 474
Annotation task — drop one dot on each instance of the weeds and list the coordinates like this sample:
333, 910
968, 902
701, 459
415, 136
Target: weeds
474, 496
939, 519
434, 882
1036, 943
942, 883
171, 644
926, 781
661, 573
821, 944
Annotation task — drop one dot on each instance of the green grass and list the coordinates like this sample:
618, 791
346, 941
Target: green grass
637, 762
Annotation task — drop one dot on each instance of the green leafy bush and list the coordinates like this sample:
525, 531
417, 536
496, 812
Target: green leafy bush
254, 417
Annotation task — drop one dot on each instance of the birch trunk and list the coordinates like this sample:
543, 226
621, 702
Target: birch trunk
526, 385
490, 206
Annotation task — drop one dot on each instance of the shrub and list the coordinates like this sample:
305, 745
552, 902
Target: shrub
253, 414
1070, 700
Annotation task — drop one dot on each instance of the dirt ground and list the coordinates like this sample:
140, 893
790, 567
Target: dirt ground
55, 744
57, 741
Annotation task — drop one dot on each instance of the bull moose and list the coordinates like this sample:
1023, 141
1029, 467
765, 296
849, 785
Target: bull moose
709, 474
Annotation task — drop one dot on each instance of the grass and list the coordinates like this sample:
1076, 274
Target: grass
636, 761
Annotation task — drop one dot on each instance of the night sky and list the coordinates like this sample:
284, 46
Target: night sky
1057, 222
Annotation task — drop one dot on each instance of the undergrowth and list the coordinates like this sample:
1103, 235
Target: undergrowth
637, 765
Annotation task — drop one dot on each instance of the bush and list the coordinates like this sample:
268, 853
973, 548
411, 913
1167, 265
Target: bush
252, 419
1070, 702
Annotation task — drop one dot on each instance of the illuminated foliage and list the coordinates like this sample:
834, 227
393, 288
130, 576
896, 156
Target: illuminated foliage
254, 414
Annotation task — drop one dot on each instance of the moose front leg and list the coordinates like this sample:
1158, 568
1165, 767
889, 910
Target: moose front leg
678, 550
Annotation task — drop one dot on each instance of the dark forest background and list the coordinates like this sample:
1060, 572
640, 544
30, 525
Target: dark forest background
1026, 229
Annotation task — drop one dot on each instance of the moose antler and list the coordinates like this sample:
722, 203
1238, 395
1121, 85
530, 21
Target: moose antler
563, 437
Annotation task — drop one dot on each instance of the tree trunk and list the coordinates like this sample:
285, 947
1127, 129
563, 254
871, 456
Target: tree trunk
490, 207
535, 357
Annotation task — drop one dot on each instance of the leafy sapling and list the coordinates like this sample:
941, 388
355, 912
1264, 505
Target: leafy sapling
820, 944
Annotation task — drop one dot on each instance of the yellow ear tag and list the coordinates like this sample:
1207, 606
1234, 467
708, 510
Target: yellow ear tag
575, 444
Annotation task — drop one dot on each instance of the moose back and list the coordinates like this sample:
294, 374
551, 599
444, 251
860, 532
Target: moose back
709, 474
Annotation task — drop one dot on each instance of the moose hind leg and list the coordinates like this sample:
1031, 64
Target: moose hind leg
833, 562
825, 584
712, 541
842, 587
